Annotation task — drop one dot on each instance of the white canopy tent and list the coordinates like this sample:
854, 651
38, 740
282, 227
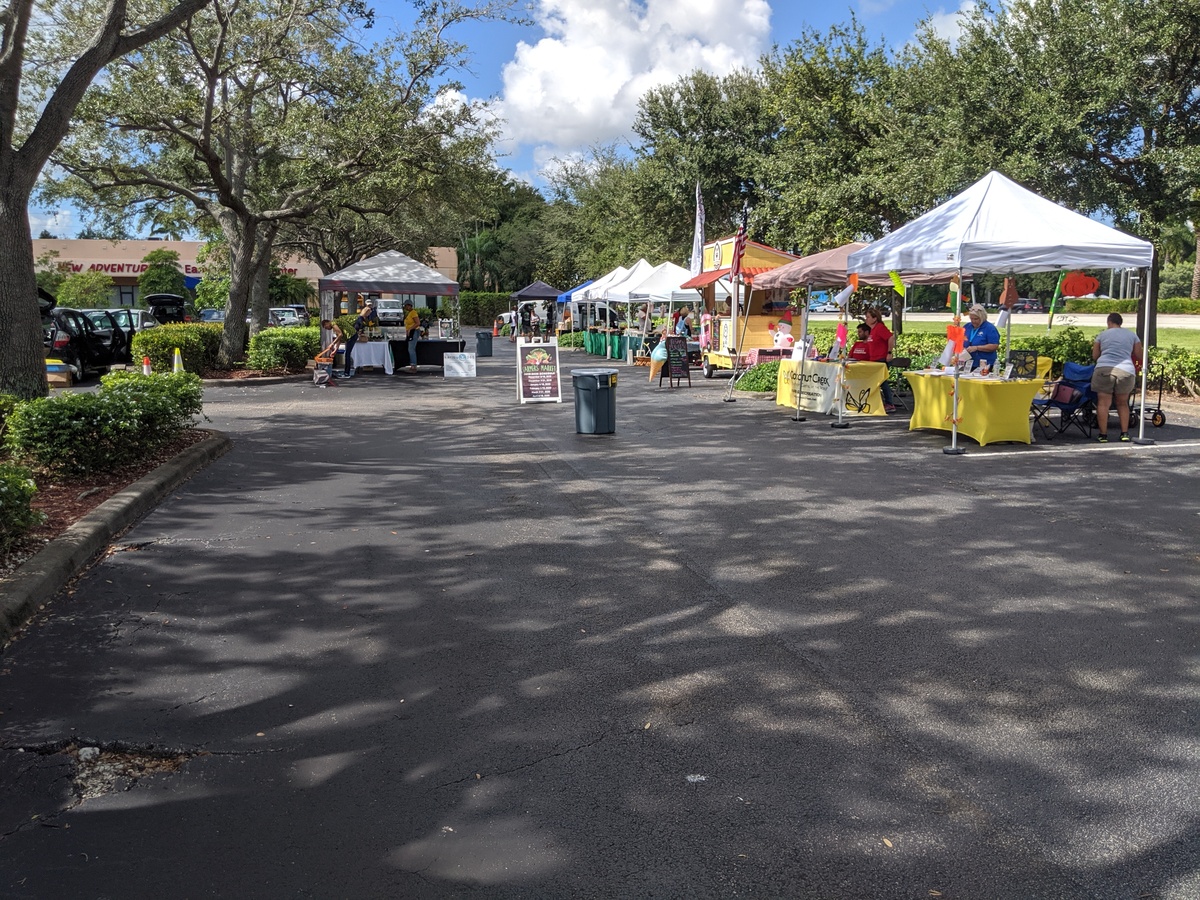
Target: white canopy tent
998, 226
594, 291
618, 291
663, 286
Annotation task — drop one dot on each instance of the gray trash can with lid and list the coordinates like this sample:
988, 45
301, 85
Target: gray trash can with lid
595, 400
483, 343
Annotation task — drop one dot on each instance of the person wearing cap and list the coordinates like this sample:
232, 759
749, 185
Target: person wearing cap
365, 315
412, 333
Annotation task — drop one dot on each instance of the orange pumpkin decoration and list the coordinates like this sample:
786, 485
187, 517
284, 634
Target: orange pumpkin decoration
1079, 284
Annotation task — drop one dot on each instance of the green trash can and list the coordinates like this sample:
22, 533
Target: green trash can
595, 400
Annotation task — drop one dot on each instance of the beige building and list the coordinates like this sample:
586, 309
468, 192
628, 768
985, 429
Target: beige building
122, 260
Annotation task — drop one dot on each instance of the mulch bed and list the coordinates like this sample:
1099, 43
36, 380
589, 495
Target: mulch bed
67, 500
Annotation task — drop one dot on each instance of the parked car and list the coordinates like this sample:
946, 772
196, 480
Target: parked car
133, 320
69, 335
301, 313
285, 316
168, 308
827, 307
1025, 305
215, 316
104, 320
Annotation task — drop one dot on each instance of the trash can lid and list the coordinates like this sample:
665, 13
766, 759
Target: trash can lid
593, 371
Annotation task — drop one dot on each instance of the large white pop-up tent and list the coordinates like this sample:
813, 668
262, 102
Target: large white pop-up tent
1000, 227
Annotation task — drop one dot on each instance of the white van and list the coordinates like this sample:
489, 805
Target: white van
390, 312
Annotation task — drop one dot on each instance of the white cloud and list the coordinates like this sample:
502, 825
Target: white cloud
580, 84
945, 24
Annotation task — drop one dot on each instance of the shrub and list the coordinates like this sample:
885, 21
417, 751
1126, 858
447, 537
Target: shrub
1180, 369
284, 348
16, 514
7, 404
763, 377
566, 339
131, 415
198, 344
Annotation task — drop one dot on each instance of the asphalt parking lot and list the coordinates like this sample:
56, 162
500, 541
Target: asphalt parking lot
410, 638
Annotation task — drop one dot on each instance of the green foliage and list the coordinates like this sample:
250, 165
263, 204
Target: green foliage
566, 339
163, 274
86, 290
130, 416
762, 377
16, 515
480, 308
198, 344
1180, 369
51, 271
288, 290
1175, 280
212, 292
289, 349
1061, 345
7, 404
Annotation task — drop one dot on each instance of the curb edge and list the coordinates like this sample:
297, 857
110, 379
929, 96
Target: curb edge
45, 574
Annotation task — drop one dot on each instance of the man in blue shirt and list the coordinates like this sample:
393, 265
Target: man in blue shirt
983, 340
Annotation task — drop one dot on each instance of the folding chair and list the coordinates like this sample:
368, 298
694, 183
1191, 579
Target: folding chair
1071, 397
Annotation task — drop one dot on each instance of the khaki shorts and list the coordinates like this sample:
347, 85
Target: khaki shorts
1107, 380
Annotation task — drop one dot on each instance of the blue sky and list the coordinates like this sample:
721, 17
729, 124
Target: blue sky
572, 79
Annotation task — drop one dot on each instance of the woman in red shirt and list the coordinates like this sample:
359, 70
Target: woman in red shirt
879, 349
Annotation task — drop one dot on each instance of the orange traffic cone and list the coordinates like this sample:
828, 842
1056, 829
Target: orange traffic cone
496, 328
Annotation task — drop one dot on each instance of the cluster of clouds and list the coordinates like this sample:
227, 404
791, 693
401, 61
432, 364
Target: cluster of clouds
579, 85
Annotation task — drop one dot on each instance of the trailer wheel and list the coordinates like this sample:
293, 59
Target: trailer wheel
708, 370
1158, 418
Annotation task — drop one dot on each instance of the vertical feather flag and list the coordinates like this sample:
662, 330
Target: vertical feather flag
697, 262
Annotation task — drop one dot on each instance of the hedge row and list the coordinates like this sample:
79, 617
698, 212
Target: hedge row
1171, 305
198, 344
287, 349
130, 416
1180, 367
17, 516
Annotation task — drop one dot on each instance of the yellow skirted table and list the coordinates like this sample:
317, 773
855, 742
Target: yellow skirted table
813, 383
989, 409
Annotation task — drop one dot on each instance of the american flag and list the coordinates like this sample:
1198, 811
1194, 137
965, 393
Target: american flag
739, 244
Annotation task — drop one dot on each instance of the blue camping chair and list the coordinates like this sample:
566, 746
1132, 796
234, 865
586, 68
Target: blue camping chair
1068, 402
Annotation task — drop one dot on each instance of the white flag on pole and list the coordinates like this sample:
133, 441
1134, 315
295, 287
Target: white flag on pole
697, 262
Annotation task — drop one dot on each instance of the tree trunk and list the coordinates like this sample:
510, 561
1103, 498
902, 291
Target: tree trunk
260, 275
22, 357
1196, 270
239, 234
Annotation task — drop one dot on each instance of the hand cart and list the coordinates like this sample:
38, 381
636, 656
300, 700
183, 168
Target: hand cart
1158, 418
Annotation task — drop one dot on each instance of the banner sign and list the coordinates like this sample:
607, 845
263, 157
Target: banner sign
538, 379
813, 384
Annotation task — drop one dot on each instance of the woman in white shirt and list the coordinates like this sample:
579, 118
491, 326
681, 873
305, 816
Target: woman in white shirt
1114, 377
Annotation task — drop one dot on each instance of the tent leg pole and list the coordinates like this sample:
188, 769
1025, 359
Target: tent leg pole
954, 449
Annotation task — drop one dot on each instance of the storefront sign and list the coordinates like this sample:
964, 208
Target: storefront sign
537, 373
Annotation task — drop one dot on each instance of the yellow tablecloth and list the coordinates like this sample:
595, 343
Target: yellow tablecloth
990, 409
814, 383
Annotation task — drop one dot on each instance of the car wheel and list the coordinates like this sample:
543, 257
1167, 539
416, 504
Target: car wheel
708, 369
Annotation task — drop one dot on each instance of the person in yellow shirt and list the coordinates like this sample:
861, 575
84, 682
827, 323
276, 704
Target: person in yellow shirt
412, 333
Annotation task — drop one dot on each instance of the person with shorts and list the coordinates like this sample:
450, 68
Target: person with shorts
1115, 351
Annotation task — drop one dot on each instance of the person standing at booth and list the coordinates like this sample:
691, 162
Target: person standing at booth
361, 324
983, 340
1115, 375
412, 333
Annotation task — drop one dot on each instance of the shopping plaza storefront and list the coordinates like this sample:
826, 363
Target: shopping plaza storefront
123, 261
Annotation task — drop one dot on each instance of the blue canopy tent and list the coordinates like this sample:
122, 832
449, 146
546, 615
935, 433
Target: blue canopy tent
565, 296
